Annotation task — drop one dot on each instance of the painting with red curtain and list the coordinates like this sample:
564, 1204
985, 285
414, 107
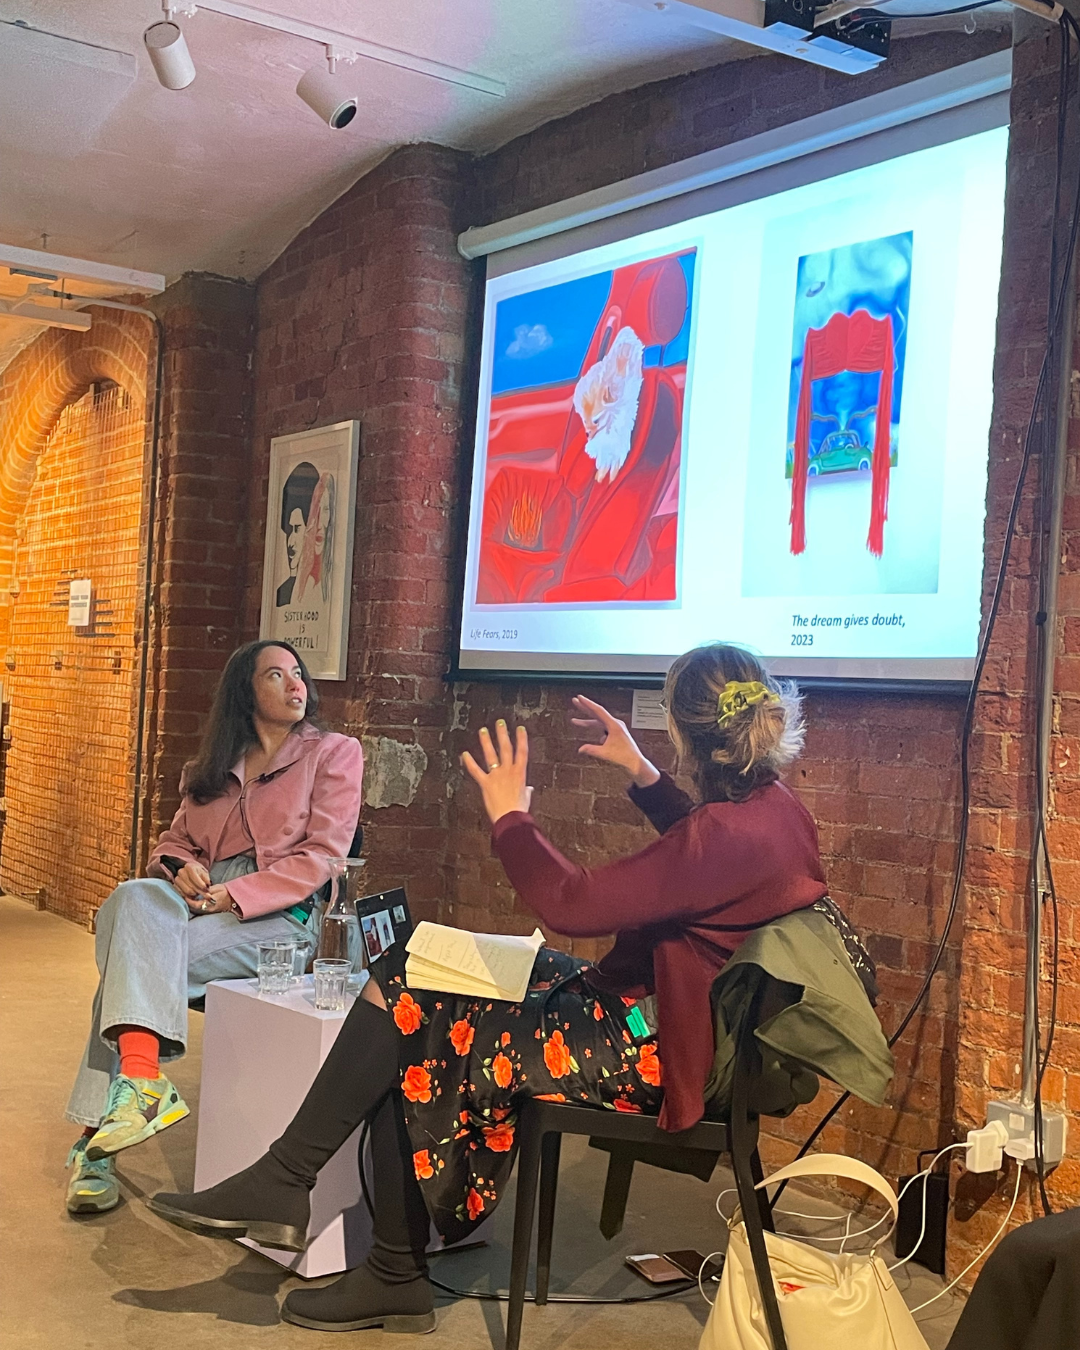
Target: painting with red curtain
581, 479
849, 345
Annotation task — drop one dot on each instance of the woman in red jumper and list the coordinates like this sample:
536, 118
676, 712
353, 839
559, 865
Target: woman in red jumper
439, 1080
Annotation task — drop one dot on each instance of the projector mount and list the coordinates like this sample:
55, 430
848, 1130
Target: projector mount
834, 33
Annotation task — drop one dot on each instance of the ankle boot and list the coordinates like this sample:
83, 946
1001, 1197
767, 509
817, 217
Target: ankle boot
266, 1202
359, 1300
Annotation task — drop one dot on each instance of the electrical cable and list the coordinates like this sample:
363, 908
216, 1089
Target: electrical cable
859, 18
1057, 308
971, 1264
497, 1296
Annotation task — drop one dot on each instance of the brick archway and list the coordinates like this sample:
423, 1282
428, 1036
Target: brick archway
42, 380
73, 446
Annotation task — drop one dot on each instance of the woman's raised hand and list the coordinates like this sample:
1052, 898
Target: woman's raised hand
502, 782
618, 747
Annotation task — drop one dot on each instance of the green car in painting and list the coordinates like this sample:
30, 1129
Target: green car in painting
839, 452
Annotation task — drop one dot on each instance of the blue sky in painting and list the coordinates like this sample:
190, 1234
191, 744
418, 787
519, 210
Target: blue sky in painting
541, 336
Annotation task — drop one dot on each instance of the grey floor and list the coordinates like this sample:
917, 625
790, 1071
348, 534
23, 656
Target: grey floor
129, 1279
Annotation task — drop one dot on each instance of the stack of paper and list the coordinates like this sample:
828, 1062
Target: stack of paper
477, 965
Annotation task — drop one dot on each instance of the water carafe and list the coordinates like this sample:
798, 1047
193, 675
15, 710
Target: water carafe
339, 931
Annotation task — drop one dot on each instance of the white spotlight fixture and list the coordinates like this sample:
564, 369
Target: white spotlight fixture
169, 55
327, 95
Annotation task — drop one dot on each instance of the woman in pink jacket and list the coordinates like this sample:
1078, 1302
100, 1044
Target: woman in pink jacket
268, 801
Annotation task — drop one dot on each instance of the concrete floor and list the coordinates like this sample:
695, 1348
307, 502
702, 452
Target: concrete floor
129, 1279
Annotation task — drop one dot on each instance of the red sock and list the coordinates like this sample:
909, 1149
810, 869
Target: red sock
139, 1050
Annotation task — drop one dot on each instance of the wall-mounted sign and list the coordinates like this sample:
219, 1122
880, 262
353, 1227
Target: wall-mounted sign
648, 712
308, 552
79, 600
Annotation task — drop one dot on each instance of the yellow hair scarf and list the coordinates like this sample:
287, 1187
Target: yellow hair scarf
738, 695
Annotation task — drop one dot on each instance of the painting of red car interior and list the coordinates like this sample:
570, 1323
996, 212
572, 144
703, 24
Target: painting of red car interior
581, 480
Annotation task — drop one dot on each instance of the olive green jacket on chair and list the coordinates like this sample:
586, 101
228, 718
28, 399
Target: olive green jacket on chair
814, 1018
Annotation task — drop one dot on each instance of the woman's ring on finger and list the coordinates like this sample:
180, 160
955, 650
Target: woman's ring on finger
207, 905
493, 765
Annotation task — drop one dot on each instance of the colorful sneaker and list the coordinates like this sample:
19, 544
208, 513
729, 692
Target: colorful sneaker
93, 1187
137, 1108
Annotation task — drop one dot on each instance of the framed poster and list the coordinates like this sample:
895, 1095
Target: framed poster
308, 550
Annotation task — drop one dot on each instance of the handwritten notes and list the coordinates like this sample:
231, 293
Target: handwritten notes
476, 965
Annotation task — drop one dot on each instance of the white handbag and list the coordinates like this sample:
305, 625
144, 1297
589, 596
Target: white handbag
825, 1301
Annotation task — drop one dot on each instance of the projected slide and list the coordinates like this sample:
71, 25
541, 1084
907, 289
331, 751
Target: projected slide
767, 424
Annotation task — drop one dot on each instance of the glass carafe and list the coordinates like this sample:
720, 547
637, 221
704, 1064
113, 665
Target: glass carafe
339, 931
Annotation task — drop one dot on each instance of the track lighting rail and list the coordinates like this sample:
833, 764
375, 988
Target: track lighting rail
343, 46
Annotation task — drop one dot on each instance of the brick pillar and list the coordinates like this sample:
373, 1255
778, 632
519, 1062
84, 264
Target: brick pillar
364, 316
202, 510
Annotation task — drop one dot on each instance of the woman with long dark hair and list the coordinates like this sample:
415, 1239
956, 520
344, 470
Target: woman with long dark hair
440, 1078
267, 802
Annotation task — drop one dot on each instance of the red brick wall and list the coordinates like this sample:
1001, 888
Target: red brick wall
67, 803
201, 502
990, 991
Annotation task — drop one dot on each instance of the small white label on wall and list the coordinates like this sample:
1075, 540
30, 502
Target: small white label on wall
79, 604
648, 715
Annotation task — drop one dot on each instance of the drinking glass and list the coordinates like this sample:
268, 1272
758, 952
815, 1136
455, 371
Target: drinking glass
276, 966
331, 982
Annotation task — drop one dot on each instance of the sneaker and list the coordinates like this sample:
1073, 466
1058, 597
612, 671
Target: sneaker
137, 1108
93, 1186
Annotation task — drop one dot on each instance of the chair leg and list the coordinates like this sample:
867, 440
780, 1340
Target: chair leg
525, 1208
550, 1148
764, 1205
744, 1130
620, 1172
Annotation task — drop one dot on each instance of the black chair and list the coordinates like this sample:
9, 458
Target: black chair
630, 1138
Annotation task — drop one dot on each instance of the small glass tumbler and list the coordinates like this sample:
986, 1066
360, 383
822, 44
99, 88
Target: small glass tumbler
276, 966
331, 982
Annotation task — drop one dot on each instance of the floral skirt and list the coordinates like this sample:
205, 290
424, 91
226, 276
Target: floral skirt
467, 1065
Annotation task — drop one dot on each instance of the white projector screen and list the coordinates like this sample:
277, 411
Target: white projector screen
764, 421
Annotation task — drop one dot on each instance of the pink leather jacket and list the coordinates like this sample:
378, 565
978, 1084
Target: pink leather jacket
300, 811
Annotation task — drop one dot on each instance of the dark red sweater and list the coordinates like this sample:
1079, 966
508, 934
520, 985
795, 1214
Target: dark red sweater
679, 908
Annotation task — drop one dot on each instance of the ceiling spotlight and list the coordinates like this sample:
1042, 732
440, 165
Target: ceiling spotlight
325, 94
169, 55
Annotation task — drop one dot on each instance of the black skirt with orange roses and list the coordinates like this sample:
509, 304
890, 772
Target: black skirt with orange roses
467, 1064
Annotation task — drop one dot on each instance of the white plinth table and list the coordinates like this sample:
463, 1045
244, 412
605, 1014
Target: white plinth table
260, 1056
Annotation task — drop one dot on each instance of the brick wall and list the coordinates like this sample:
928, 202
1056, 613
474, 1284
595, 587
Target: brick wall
67, 474
67, 803
197, 578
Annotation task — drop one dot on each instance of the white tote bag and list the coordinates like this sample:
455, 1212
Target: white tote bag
826, 1302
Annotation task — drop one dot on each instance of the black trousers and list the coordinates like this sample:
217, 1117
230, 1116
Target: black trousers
1027, 1296
359, 1080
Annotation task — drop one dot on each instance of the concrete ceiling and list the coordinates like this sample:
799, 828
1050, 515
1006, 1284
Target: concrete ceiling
108, 165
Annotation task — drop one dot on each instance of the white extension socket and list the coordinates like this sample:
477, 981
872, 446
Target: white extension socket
1019, 1121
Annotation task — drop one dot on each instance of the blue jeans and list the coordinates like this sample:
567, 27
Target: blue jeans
154, 957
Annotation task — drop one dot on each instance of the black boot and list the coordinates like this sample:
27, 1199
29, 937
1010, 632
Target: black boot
391, 1289
264, 1202
360, 1299
269, 1201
